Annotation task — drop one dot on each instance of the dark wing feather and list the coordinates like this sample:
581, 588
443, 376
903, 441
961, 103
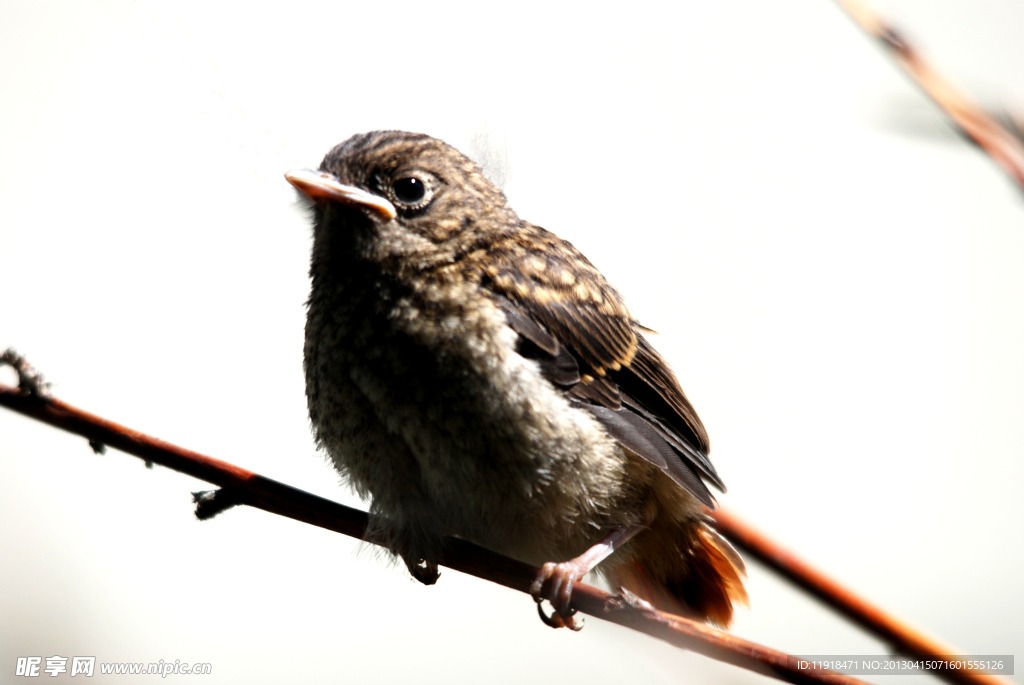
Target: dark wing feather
600, 391
556, 363
603, 340
653, 390
585, 341
640, 437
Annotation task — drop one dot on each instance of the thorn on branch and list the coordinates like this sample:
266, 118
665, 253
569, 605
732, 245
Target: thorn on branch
626, 600
894, 40
98, 447
1011, 123
30, 381
209, 503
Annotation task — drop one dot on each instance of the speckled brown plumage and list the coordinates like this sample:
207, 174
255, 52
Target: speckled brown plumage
474, 375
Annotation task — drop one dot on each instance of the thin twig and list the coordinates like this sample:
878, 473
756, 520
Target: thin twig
903, 638
246, 487
1001, 143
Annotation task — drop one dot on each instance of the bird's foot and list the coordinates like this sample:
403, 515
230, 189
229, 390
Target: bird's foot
423, 570
554, 583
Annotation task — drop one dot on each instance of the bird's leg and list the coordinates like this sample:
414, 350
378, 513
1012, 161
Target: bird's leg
555, 580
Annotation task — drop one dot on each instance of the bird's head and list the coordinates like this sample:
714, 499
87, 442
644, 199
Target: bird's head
406, 198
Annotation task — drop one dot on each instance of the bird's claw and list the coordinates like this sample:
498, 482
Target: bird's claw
554, 583
557, 620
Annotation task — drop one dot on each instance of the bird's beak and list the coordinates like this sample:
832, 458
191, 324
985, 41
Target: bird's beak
320, 185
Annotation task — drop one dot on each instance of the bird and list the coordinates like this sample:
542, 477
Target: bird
473, 375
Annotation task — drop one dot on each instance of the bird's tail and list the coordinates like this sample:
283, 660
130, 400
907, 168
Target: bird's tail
696, 574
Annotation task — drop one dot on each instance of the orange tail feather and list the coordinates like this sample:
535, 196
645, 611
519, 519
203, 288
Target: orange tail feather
701, 577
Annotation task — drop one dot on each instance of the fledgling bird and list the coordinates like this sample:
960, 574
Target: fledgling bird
474, 375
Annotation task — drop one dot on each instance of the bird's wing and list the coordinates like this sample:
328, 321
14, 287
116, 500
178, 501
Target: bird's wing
576, 327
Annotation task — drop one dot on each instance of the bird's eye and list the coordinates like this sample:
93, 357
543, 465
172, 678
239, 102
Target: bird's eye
410, 191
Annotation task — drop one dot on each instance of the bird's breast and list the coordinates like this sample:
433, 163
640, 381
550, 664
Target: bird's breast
428, 400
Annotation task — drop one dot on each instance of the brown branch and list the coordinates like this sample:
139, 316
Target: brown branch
1002, 144
245, 487
1005, 145
903, 638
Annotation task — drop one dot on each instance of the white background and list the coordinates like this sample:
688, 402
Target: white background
838, 280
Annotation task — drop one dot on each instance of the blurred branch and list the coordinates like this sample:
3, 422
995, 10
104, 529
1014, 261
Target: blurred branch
1001, 143
245, 487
